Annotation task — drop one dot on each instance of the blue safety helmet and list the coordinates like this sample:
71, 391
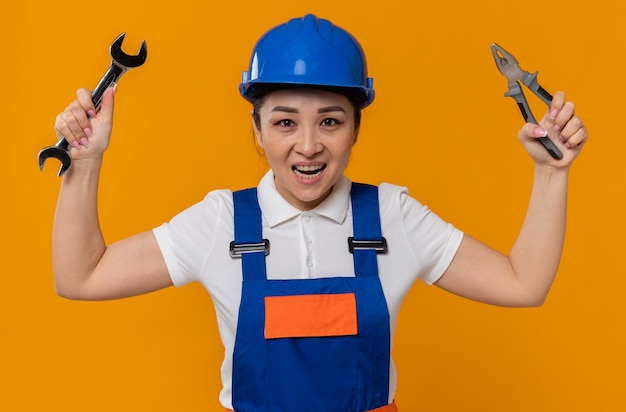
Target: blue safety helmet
310, 52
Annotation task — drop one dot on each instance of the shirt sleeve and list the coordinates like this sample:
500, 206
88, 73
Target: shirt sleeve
187, 238
433, 241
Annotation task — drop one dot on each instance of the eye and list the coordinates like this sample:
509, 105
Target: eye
329, 122
285, 123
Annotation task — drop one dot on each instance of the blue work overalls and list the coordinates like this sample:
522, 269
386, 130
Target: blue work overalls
334, 358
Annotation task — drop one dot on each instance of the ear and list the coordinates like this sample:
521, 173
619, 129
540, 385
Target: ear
356, 135
257, 132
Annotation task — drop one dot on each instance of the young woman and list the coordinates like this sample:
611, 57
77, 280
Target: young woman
308, 270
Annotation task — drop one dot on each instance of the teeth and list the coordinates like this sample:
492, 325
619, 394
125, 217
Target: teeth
308, 171
305, 169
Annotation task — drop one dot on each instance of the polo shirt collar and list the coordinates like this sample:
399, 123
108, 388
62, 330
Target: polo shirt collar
277, 210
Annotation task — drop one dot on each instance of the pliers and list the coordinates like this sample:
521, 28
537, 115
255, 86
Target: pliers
509, 67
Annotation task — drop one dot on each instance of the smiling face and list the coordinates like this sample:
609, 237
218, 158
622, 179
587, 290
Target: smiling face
307, 136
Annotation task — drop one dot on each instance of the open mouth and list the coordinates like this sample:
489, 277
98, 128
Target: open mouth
308, 172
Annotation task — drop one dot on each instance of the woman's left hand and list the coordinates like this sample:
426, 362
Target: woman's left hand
561, 125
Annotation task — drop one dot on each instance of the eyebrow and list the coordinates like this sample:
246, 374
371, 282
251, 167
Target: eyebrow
331, 109
321, 110
284, 109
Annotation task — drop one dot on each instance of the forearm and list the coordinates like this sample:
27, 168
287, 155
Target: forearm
536, 254
77, 240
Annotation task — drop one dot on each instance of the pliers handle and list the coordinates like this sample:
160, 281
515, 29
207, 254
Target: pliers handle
509, 67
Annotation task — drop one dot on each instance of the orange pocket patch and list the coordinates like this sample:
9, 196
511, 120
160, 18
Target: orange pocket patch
299, 316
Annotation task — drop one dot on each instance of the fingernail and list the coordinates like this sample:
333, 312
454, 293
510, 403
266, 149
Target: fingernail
76, 144
114, 85
556, 127
84, 142
91, 113
540, 132
87, 131
553, 114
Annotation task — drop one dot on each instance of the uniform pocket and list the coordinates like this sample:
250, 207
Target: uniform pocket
298, 316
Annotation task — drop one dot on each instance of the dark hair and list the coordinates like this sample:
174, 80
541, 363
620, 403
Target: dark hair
259, 92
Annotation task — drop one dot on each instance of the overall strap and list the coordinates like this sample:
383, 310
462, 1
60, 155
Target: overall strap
249, 243
368, 239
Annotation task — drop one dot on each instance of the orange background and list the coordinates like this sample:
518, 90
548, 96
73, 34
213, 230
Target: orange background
440, 125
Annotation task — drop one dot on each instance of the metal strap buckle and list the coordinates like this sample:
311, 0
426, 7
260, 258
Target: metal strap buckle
380, 246
236, 250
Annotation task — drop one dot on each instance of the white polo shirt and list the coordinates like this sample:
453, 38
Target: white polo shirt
303, 245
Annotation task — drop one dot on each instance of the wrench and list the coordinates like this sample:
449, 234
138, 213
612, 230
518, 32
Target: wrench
120, 63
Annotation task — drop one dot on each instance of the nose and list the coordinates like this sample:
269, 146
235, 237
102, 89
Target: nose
309, 143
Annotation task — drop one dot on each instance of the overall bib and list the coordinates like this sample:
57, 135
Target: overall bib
311, 344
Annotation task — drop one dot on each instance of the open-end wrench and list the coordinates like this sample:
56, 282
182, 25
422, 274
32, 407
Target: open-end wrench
120, 63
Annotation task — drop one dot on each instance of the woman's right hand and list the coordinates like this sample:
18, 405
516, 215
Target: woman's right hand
87, 131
